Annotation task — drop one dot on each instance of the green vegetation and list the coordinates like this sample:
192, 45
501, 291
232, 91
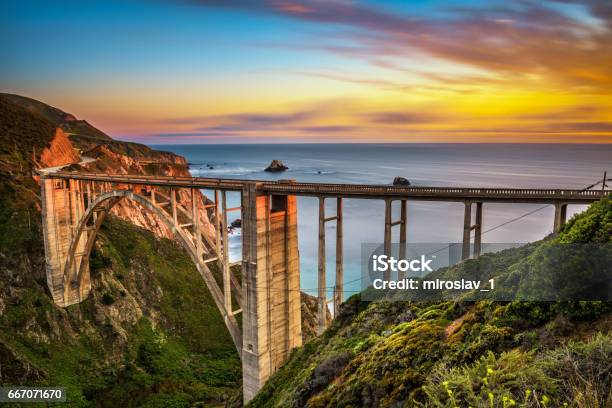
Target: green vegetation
460, 354
576, 374
148, 335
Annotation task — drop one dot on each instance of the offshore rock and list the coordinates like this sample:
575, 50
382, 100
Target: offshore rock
276, 166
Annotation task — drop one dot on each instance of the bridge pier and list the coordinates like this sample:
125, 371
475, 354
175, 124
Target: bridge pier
339, 286
338, 295
560, 216
321, 272
467, 230
61, 209
402, 235
389, 224
271, 285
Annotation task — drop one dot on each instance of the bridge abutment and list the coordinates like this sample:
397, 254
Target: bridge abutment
271, 285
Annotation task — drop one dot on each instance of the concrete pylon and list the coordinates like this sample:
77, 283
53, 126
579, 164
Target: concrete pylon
271, 285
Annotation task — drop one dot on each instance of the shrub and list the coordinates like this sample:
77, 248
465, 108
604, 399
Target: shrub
108, 299
98, 261
324, 374
505, 381
584, 371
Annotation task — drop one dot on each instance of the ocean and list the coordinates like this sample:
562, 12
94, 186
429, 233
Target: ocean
471, 165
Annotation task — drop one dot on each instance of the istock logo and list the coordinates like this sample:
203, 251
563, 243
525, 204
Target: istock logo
383, 263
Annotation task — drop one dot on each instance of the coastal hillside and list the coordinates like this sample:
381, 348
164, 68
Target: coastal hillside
149, 334
143, 337
77, 141
78, 129
460, 354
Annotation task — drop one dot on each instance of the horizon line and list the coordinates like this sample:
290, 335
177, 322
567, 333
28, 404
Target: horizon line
369, 143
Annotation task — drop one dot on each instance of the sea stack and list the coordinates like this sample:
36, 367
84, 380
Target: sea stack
401, 181
276, 166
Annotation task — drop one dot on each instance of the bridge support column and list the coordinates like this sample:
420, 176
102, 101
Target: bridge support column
339, 287
387, 238
271, 285
321, 276
478, 231
467, 228
61, 206
195, 220
560, 217
402, 235
173, 205
467, 231
225, 266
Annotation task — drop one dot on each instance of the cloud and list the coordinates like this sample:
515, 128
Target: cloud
241, 121
578, 112
403, 118
579, 127
526, 40
327, 129
296, 122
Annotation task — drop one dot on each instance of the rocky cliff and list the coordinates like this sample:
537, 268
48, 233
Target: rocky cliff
75, 140
116, 158
59, 152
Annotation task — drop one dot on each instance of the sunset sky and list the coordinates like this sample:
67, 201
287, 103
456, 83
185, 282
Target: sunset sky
214, 71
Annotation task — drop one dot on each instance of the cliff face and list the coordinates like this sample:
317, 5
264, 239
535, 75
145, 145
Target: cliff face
310, 319
59, 152
117, 158
75, 139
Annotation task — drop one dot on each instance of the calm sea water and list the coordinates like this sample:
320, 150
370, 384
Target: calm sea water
477, 165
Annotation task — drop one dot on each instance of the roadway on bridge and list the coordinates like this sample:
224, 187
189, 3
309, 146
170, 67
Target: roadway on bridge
287, 187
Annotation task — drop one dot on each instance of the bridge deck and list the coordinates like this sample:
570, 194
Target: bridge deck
523, 195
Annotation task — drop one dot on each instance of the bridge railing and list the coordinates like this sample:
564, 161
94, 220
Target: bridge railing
364, 189
284, 187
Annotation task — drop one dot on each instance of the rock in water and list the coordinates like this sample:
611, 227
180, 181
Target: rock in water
237, 223
276, 166
401, 181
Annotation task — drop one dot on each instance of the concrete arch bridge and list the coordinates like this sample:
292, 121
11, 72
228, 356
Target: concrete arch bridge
268, 291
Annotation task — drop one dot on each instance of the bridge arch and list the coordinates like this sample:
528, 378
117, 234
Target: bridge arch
76, 266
